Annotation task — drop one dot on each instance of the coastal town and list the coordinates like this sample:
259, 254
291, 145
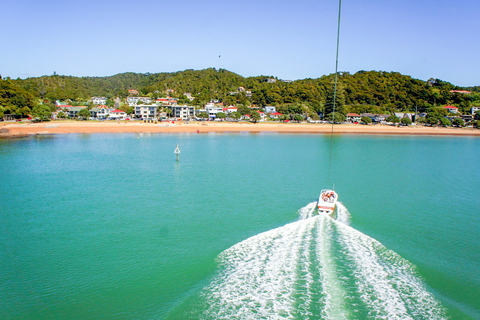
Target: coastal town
146, 109
364, 99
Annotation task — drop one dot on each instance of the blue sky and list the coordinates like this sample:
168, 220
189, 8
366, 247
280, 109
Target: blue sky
288, 39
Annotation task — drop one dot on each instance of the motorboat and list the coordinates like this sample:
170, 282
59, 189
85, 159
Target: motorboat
327, 201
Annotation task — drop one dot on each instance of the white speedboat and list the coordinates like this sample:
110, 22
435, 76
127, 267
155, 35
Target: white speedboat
327, 201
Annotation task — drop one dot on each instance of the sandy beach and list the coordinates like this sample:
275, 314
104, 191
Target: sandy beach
64, 127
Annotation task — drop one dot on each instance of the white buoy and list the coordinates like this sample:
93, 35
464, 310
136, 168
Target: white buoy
177, 151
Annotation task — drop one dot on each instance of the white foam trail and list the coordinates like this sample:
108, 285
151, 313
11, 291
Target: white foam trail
260, 275
316, 268
387, 282
305, 267
343, 215
308, 210
332, 292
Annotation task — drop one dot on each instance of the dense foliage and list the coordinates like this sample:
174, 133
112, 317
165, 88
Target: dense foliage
364, 91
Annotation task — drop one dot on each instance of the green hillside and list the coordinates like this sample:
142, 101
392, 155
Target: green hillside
364, 91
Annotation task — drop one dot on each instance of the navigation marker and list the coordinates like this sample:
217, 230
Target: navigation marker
177, 151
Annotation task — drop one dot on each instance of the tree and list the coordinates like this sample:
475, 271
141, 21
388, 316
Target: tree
124, 107
2, 111
84, 113
235, 115
339, 100
298, 117
476, 124
366, 120
458, 122
221, 115
393, 119
406, 121
444, 122
243, 110
61, 115
432, 119
255, 116
203, 115
25, 111
339, 117
41, 112
422, 120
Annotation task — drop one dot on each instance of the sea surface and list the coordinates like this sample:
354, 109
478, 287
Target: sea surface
111, 226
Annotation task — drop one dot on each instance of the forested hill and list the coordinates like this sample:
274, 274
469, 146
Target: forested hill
373, 91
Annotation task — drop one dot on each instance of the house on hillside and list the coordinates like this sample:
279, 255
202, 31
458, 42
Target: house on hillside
99, 100
231, 109
270, 109
460, 91
133, 101
451, 109
189, 96
475, 109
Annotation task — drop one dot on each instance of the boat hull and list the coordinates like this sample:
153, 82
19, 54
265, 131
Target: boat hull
327, 202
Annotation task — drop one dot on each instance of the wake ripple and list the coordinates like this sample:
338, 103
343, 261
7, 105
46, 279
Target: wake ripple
316, 268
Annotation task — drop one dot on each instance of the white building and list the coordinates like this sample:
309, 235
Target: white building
451, 109
133, 101
263, 117
145, 111
99, 100
117, 114
475, 110
270, 109
102, 112
183, 112
231, 109
212, 110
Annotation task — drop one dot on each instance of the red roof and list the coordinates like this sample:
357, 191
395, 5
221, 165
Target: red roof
276, 114
117, 111
450, 107
260, 112
351, 114
460, 91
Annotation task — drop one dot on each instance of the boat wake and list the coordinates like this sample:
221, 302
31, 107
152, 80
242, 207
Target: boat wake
316, 268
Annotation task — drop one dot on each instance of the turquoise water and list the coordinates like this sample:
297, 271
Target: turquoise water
110, 226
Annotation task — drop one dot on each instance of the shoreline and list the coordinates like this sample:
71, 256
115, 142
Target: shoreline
13, 130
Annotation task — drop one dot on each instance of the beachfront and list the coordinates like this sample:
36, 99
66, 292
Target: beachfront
62, 127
